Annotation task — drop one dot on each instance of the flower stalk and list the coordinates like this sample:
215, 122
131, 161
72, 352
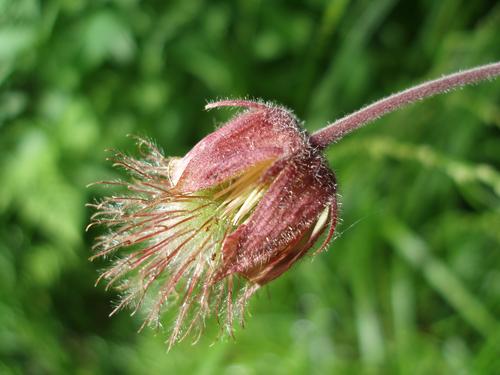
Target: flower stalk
338, 129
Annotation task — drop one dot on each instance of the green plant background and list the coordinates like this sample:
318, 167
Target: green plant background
412, 283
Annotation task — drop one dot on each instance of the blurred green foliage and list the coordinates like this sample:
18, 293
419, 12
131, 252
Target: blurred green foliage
412, 283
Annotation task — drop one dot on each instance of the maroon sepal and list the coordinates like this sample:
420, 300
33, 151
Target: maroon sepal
279, 231
262, 133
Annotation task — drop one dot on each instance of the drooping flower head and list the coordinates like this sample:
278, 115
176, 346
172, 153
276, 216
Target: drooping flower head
202, 233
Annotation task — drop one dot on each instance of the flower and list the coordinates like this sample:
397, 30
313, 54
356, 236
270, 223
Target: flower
202, 233
205, 231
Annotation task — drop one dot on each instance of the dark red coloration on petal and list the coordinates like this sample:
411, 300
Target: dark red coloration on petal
279, 232
261, 133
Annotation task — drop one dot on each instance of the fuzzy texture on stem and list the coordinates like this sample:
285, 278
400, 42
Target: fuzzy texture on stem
337, 130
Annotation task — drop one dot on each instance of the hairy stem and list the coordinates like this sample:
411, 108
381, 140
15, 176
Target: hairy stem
337, 130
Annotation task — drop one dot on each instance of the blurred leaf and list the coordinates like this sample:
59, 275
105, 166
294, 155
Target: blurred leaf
106, 36
14, 40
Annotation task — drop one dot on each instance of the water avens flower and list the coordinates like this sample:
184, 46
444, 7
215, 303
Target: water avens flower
205, 231
202, 233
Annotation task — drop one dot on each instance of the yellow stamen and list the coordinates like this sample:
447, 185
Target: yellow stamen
243, 194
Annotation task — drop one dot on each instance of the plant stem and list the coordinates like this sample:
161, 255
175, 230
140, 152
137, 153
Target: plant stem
337, 130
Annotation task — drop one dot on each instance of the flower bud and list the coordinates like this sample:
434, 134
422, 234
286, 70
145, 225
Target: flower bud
204, 232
